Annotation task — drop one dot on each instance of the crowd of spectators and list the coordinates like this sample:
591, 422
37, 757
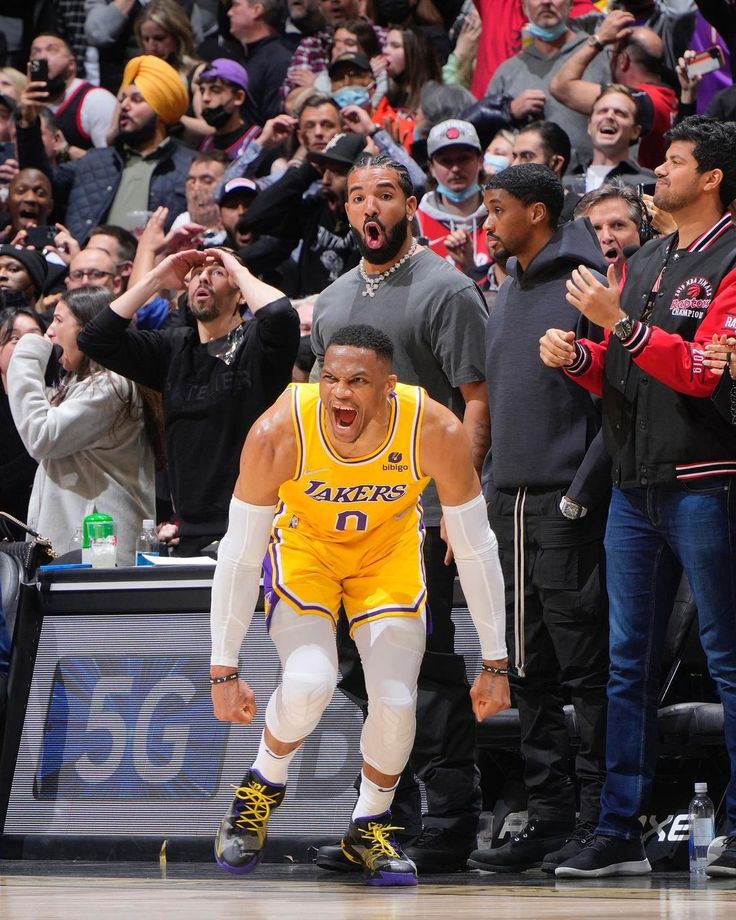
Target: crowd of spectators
174, 189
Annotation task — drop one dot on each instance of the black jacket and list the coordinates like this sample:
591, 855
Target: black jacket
328, 247
209, 406
653, 432
86, 187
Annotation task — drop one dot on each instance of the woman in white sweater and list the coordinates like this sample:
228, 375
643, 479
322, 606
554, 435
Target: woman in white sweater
88, 434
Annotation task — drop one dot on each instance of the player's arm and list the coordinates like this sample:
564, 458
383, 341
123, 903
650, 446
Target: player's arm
477, 420
268, 459
445, 455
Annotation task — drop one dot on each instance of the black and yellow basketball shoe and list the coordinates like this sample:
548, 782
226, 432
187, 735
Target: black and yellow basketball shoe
369, 844
242, 834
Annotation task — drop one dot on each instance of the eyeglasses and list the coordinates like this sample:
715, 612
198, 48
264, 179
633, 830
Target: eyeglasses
94, 274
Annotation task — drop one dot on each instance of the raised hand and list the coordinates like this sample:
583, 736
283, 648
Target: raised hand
599, 302
171, 272
460, 246
529, 102
617, 26
277, 131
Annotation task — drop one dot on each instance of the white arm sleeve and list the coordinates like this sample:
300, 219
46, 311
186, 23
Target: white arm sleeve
237, 578
476, 555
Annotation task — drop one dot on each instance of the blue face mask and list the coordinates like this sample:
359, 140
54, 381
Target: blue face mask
352, 95
547, 35
458, 196
495, 162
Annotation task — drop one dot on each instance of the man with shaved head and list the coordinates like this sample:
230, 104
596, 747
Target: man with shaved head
636, 61
30, 200
94, 266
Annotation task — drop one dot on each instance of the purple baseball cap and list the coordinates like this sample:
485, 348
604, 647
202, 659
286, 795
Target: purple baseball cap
227, 70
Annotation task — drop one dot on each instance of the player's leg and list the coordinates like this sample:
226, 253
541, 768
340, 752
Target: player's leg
306, 647
391, 651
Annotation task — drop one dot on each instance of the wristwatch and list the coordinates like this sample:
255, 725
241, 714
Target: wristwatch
624, 327
572, 510
595, 42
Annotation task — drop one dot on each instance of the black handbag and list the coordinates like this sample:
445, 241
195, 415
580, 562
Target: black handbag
31, 553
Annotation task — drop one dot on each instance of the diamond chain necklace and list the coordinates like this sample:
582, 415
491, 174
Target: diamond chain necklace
372, 281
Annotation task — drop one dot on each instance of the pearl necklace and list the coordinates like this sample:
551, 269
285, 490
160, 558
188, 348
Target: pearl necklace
372, 281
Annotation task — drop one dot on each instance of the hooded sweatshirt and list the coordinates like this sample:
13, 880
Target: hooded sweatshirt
436, 223
541, 427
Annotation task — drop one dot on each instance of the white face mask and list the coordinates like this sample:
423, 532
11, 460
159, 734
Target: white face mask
457, 197
495, 163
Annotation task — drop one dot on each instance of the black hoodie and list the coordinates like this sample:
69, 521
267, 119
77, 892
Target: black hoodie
542, 423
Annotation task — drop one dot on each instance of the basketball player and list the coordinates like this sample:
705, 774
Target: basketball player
329, 484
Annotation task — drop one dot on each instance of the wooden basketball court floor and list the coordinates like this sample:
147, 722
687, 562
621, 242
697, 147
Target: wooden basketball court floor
52, 890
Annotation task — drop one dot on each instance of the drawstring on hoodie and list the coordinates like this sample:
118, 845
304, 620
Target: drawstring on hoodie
472, 224
519, 578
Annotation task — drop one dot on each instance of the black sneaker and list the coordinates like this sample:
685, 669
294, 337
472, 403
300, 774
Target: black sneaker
369, 844
524, 851
580, 838
335, 859
242, 833
438, 850
605, 856
724, 863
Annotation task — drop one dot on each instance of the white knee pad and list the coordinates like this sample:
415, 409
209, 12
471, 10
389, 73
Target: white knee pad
388, 732
298, 703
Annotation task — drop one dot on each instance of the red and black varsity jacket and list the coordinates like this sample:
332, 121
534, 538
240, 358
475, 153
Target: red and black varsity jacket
659, 421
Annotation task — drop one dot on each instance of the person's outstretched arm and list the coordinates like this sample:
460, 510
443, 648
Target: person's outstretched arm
268, 459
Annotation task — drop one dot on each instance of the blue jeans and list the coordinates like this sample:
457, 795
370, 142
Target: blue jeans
654, 533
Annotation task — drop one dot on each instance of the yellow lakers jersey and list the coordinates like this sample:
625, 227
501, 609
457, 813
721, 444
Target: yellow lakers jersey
349, 531
343, 499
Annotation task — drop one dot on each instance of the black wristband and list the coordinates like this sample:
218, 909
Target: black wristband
225, 679
504, 672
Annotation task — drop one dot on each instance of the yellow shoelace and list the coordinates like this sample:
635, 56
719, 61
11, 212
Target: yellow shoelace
254, 816
377, 836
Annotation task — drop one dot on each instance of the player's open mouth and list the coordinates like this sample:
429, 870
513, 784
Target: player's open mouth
611, 255
344, 417
374, 234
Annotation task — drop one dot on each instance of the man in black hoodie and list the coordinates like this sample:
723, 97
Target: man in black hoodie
545, 479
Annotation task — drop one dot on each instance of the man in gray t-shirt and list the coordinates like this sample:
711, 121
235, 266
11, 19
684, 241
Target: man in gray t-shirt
433, 314
435, 317
526, 76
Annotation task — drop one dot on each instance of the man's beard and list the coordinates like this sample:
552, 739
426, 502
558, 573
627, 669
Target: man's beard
206, 313
669, 201
394, 240
141, 135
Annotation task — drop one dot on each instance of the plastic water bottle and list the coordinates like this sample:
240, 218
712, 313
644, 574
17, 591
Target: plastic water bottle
77, 541
702, 827
484, 839
147, 542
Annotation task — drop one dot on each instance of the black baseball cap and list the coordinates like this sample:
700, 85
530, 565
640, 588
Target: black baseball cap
350, 59
342, 148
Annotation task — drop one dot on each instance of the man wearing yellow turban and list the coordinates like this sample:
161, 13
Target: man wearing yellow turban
159, 84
